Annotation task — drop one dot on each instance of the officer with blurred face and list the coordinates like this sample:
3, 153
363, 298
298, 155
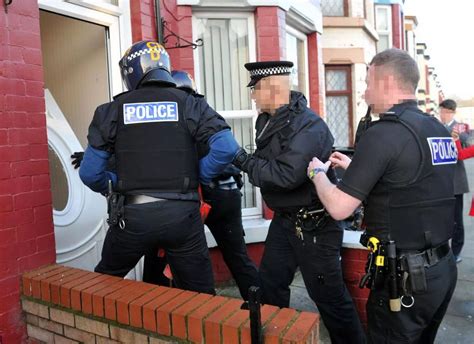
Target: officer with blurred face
402, 170
224, 220
301, 234
152, 131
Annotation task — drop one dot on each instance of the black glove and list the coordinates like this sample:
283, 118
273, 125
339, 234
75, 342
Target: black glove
241, 160
77, 159
239, 180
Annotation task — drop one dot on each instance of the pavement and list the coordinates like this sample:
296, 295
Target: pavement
458, 324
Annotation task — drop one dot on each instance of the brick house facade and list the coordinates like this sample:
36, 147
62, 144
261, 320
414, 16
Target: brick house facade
27, 231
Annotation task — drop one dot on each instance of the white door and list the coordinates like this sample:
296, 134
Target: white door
79, 213
81, 48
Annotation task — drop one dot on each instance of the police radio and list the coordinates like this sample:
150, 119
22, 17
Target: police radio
363, 125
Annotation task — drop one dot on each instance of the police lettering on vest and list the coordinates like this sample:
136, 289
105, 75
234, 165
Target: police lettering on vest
443, 150
135, 113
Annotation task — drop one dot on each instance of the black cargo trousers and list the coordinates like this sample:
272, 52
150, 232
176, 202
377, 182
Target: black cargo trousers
173, 225
318, 256
419, 323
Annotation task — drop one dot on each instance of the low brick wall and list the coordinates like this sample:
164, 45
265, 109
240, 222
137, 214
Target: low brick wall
353, 268
67, 305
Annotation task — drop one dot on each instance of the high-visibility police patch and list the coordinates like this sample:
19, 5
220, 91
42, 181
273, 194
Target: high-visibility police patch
134, 113
443, 150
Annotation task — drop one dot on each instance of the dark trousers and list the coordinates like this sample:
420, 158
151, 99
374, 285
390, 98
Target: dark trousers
153, 269
176, 227
225, 223
318, 257
419, 323
458, 231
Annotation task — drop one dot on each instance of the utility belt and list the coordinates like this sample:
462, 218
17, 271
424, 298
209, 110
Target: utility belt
403, 271
116, 205
307, 219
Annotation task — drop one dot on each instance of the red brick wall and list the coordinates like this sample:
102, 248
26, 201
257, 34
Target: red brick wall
397, 27
353, 267
178, 19
221, 271
316, 77
271, 45
26, 227
271, 33
142, 13
145, 311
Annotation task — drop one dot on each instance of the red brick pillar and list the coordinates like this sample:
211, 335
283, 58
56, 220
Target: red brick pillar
142, 14
26, 223
316, 70
397, 27
271, 45
178, 19
271, 33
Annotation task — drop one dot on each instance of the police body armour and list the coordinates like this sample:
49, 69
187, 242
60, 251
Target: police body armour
420, 212
154, 148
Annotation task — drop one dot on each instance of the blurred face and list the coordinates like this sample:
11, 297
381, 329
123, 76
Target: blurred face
381, 86
271, 93
446, 115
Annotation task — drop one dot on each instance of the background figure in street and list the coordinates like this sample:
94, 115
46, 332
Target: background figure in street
301, 233
407, 189
447, 109
224, 220
463, 154
151, 126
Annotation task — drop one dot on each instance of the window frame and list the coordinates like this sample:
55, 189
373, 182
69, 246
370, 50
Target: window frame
118, 24
388, 11
348, 92
254, 212
345, 9
301, 36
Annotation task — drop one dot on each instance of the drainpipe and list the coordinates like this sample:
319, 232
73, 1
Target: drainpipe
159, 24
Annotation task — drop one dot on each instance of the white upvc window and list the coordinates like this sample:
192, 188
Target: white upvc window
383, 25
334, 8
229, 43
107, 6
297, 52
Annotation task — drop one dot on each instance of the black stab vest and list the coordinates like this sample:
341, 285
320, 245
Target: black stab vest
420, 213
152, 154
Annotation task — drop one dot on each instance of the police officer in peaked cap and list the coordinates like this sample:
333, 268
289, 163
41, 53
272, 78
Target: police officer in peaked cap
224, 219
288, 135
152, 131
403, 170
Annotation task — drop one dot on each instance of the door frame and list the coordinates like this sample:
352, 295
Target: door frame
118, 24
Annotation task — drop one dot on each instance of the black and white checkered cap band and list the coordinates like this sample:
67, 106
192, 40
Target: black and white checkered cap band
270, 71
145, 51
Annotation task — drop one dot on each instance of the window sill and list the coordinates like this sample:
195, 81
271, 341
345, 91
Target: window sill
351, 240
256, 230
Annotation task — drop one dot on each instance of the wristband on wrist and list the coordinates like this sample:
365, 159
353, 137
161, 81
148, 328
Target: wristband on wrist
315, 171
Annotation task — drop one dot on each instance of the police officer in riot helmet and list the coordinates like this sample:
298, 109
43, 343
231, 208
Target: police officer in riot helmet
225, 217
152, 131
288, 134
402, 170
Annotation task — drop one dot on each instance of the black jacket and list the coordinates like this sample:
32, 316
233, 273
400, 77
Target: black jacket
150, 148
285, 146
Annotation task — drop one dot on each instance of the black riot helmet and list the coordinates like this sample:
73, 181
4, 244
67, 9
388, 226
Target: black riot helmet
184, 81
144, 62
